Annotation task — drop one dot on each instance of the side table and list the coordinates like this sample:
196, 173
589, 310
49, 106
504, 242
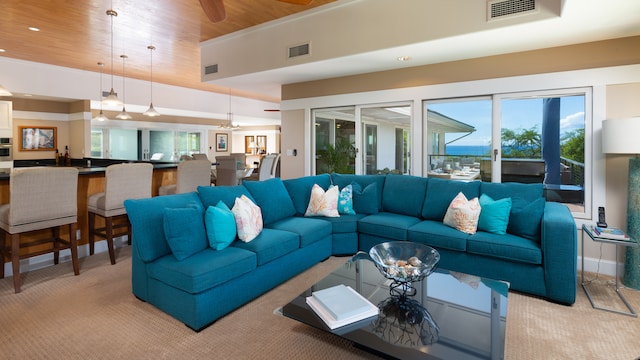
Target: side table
588, 229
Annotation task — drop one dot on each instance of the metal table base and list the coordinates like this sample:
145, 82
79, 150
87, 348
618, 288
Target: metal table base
617, 287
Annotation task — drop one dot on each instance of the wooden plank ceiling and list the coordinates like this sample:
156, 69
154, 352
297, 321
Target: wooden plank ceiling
77, 34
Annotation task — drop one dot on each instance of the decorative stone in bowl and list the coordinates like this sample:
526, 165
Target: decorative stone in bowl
404, 261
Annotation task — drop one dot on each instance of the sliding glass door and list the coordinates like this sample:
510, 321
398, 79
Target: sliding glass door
335, 140
386, 141
362, 139
533, 137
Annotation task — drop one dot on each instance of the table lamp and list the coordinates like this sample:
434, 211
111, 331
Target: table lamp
622, 137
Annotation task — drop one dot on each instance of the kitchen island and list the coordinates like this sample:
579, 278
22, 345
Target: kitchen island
91, 180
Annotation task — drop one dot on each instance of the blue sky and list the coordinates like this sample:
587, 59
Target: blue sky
517, 114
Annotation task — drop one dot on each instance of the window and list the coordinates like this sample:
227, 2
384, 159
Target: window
142, 144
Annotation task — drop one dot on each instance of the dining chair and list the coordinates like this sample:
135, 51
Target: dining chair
190, 175
266, 167
39, 198
122, 182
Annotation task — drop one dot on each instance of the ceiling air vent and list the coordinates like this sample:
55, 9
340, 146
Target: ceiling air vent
500, 9
211, 69
299, 50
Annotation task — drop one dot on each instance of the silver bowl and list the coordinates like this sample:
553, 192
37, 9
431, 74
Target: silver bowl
404, 261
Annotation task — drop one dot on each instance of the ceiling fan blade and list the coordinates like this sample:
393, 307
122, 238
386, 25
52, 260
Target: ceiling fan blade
214, 9
298, 2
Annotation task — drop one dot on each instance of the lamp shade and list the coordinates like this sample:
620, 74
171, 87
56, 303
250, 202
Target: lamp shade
4, 91
621, 136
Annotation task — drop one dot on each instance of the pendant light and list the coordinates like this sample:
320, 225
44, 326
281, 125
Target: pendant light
229, 124
151, 111
112, 98
101, 116
124, 115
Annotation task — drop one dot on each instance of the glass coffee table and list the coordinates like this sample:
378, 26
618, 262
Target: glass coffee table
451, 316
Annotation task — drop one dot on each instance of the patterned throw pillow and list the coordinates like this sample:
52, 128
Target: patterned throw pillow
248, 218
323, 203
345, 201
463, 214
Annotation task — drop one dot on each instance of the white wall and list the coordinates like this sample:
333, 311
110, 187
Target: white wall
25, 77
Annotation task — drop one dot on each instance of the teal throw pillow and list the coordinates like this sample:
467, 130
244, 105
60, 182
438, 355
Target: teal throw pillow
494, 214
526, 218
365, 201
220, 225
184, 231
345, 201
273, 199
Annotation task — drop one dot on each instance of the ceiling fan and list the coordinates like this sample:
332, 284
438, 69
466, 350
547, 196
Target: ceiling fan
215, 8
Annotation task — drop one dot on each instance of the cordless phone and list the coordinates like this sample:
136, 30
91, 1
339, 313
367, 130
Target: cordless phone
602, 222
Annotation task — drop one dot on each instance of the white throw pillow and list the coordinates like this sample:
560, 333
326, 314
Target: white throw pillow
463, 214
323, 203
248, 218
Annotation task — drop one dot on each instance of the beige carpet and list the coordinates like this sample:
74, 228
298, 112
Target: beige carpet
95, 316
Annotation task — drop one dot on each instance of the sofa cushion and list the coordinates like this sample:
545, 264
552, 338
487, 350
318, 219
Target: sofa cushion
211, 195
365, 200
248, 218
463, 214
271, 244
204, 270
299, 189
436, 234
528, 192
494, 214
147, 217
343, 180
323, 203
272, 197
526, 218
310, 230
396, 197
440, 192
388, 225
509, 247
185, 232
220, 225
345, 201
344, 223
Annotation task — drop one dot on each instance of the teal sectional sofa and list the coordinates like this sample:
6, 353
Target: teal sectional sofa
537, 255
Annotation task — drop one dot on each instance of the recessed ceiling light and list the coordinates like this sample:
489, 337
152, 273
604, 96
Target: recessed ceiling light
403, 58
33, 28
2, 50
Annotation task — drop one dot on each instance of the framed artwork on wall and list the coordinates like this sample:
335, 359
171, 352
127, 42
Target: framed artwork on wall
249, 144
35, 138
222, 142
261, 143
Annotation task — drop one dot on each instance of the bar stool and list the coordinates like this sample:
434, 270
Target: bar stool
40, 198
190, 175
122, 182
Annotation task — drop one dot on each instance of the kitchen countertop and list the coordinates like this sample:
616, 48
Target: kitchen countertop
98, 168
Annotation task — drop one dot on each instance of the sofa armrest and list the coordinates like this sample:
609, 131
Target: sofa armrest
559, 241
